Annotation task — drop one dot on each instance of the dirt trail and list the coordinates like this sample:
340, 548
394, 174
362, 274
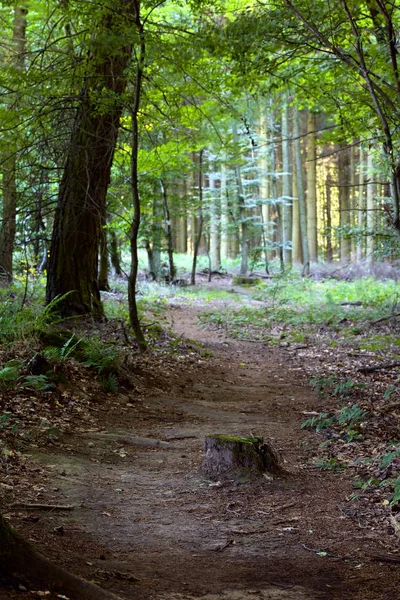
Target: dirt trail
146, 513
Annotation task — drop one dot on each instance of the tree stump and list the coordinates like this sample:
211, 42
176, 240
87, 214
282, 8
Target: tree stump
240, 457
243, 280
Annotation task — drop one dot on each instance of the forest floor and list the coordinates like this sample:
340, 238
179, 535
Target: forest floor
147, 525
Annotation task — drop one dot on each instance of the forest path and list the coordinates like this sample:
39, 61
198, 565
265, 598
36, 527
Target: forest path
149, 526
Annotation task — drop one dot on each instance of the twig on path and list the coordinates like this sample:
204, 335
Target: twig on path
226, 545
321, 552
381, 367
342, 511
385, 318
243, 532
387, 559
23, 505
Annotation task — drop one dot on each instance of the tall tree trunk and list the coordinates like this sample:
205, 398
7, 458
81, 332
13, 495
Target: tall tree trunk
115, 255
168, 231
352, 201
104, 286
312, 188
9, 161
286, 188
344, 203
361, 205
134, 232
371, 191
244, 264
297, 253
199, 232
215, 225
329, 183
301, 194
225, 232
264, 188
73, 264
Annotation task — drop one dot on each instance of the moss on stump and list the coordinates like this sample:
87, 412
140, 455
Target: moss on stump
243, 280
238, 457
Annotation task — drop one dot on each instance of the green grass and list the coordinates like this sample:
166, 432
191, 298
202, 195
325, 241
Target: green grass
303, 305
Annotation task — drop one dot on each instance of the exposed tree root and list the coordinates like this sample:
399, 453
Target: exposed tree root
20, 559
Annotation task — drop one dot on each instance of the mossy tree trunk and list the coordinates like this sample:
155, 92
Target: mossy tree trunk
73, 263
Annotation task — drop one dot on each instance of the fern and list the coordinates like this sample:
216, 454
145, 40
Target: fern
100, 356
110, 383
38, 382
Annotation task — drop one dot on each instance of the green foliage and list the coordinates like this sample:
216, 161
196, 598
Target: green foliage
110, 383
59, 354
38, 382
9, 374
302, 305
99, 355
347, 418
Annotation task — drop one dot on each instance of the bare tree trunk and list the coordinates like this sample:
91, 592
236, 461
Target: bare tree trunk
297, 254
200, 220
9, 161
225, 232
329, 249
115, 256
104, 286
286, 188
168, 232
361, 205
215, 225
133, 310
371, 191
301, 195
312, 188
344, 203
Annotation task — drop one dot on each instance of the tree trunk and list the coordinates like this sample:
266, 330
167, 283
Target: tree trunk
215, 225
329, 249
199, 231
297, 254
286, 189
168, 232
225, 232
361, 206
115, 256
104, 286
312, 188
371, 191
301, 195
344, 203
9, 161
132, 279
18, 557
73, 264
